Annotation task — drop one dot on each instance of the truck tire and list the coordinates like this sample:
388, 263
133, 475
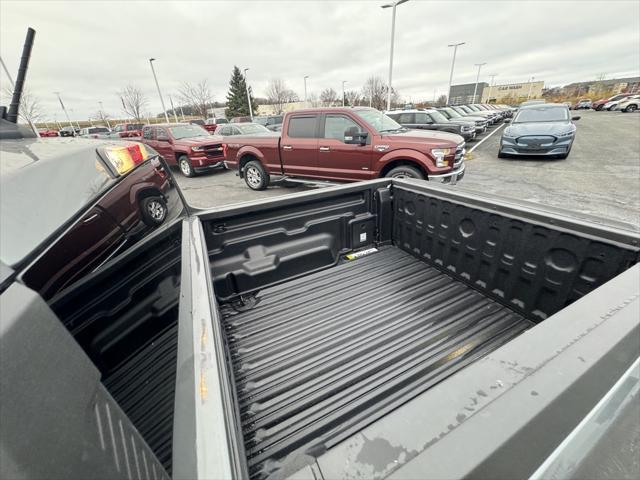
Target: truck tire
405, 171
255, 176
153, 210
185, 166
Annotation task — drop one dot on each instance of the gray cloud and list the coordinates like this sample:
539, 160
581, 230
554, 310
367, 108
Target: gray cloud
90, 49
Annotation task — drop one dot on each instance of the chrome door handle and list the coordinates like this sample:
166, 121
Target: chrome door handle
287, 147
324, 149
91, 218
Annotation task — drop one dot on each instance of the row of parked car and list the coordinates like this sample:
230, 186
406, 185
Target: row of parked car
624, 102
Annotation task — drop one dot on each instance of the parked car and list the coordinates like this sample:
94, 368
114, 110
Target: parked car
94, 132
539, 130
190, 147
464, 110
607, 103
584, 104
480, 122
69, 131
494, 117
241, 120
127, 130
272, 122
242, 129
48, 132
532, 102
111, 199
345, 144
433, 120
211, 124
629, 104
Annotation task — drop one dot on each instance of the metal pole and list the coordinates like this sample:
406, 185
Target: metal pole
31, 124
393, 33
491, 82
530, 85
453, 62
475, 90
173, 109
305, 89
164, 109
64, 110
343, 82
246, 83
182, 113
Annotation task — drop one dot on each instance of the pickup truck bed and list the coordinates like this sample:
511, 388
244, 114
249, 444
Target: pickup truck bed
320, 357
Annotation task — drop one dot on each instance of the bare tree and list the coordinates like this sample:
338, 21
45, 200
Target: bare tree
30, 107
313, 100
278, 94
133, 101
375, 91
328, 97
101, 116
198, 95
352, 97
442, 101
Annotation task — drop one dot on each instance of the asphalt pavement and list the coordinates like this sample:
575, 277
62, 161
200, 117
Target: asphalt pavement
601, 176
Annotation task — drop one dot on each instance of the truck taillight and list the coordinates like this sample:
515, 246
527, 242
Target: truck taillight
124, 159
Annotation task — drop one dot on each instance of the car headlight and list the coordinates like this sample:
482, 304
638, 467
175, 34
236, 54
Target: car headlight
439, 154
197, 149
567, 134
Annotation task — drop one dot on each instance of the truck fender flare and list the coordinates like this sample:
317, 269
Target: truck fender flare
248, 151
406, 155
143, 188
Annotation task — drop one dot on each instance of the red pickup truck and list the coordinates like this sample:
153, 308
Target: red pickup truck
190, 147
127, 130
344, 144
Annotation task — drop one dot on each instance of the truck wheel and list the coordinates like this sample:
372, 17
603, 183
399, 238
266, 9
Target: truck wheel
255, 176
405, 171
154, 211
185, 166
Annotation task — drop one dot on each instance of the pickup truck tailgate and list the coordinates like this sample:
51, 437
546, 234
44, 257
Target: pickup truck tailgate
318, 358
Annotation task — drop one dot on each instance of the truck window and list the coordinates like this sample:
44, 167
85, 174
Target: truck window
422, 118
405, 118
162, 135
336, 125
147, 133
303, 127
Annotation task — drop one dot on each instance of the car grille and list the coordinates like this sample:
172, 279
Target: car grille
214, 151
536, 141
457, 160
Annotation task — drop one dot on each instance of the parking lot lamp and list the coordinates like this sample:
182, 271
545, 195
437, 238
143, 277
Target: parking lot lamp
453, 62
246, 83
530, 86
393, 31
164, 109
173, 109
475, 90
305, 89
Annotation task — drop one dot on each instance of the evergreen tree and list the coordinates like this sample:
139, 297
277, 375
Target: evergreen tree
237, 105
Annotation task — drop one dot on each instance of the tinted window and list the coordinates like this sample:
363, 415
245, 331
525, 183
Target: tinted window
98, 130
405, 118
134, 126
147, 133
422, 118
221, 120
274, 120
302, 127
336, 125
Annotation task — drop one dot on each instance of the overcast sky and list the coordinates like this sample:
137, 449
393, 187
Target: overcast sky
90, 49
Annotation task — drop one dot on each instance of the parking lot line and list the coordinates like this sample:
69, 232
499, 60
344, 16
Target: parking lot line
485, 138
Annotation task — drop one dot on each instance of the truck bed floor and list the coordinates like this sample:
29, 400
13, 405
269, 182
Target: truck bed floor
320, 357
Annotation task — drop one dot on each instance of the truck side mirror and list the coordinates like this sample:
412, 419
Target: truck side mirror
353, 136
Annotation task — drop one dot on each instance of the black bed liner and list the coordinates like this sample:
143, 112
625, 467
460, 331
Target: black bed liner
320, 357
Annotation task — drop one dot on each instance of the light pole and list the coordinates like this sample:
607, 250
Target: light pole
246, 83
305, 89
13, 86
64, 109
491, 82
475, 90
153, 70
393, 32
343, 82
530, 85
173, 109
453, 62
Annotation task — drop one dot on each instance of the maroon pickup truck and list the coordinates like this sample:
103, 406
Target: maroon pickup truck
344, 144
190, 147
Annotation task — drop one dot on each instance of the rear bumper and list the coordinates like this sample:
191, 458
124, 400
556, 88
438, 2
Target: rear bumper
451, 177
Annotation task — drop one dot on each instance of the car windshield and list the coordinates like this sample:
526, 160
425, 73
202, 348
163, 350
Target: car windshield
31, 210
438, 117
452, 112
253, 128
464, 109
542, 114
188, 131
380, 122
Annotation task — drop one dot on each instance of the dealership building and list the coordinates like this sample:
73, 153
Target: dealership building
485, 93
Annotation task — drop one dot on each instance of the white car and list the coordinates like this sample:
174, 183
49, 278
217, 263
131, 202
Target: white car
630, 104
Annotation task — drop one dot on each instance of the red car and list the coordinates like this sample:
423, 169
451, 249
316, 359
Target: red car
127, 130
190, 147
113, 195
345, 144
48, 132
